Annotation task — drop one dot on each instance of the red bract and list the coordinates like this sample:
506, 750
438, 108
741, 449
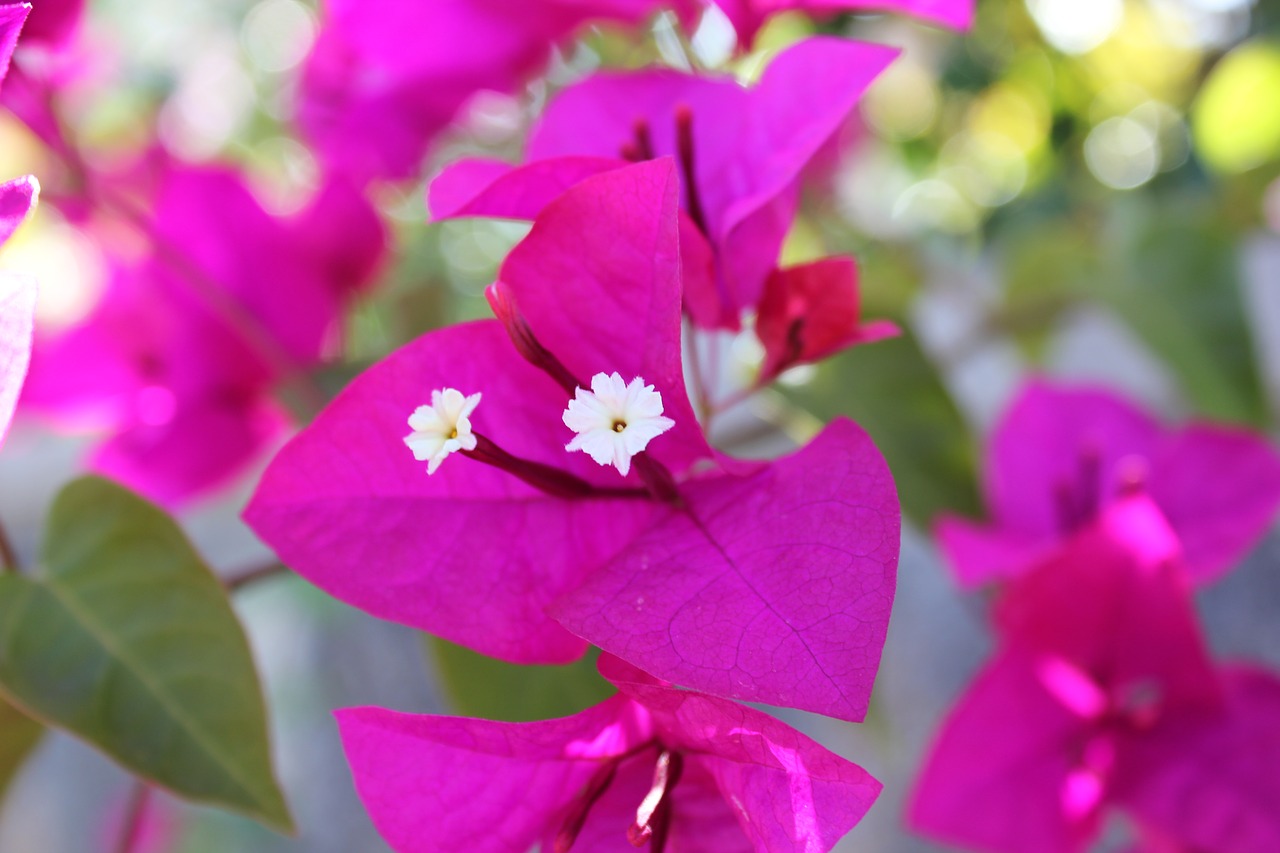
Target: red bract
676, 770
741, 152
770, 582
809, 312
180, 358
1060, 455
385, 77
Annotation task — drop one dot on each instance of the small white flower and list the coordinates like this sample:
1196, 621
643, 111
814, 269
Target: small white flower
615, 420
442, 428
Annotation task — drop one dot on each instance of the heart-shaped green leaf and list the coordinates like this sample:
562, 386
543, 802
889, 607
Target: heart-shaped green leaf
127, 639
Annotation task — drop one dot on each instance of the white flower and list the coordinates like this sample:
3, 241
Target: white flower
442, 428
615, 420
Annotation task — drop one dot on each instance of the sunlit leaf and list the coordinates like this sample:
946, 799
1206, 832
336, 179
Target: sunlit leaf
126, 639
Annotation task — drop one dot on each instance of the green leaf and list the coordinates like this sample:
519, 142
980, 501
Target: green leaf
895, 393
127, 640
19, 734
1178, 287
481, 686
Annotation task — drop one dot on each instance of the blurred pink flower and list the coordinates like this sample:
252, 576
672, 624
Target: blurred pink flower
17, 295
12, 16
385, 77
53, 22
1100, 659
181, 356
1061, 455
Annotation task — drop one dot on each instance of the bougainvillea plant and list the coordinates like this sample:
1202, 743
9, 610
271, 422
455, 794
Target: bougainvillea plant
1102, 695
598, 484
794, 571
1061, 455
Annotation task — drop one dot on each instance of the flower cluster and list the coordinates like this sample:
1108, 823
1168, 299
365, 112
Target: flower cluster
1102, 694
545, 483
570, 496
762, 581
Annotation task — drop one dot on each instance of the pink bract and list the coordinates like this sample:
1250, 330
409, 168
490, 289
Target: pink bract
748, 16
17, 300
1061, 454
748, 149
53, 22
769, 582
746, 782
1100, 655
12, 16
1210, 781
385, 77
180, 357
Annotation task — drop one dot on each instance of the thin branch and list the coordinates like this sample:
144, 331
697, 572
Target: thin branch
236, 582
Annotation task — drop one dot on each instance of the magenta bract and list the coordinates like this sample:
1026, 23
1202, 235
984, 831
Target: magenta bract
764, 581
722, 777
372, 99
12, 16
53, 22
1210, 781
741, 153
1060, 455
17, 299
748, 16
1101, 659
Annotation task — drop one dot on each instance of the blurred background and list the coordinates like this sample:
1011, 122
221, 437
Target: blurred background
1084, 188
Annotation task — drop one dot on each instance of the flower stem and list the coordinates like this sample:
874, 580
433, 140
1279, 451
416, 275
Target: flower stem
545, 478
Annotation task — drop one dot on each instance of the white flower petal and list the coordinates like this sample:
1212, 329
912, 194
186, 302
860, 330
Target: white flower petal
443, 428
615, 420
423, 445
